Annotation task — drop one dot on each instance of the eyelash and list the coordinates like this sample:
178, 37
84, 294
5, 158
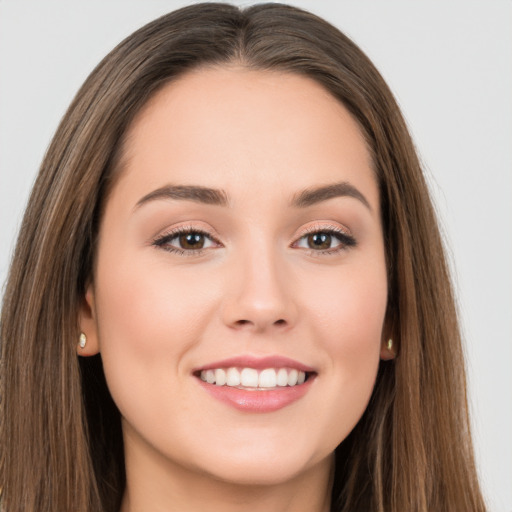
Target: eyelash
163, 241
346, 241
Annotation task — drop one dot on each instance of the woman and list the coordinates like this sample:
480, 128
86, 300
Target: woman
232, 231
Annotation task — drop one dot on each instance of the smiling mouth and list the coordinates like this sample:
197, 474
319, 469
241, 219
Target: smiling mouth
253, 379
256, 384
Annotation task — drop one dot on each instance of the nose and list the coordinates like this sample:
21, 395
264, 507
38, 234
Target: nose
259, 294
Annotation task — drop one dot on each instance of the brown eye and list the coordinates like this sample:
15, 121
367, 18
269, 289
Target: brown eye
186, 241
325, 241
191, 240
319, 240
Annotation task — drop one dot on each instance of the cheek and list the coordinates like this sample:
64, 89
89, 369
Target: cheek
146, 301
349, 307
147, 318
348, 316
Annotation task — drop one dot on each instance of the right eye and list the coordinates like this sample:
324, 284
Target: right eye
186, 240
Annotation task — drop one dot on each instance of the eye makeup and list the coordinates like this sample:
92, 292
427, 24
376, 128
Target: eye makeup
188, 241
318, 240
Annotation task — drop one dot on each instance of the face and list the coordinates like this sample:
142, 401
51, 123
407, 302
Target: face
240, 254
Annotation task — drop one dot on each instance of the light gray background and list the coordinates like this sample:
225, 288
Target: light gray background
450, 66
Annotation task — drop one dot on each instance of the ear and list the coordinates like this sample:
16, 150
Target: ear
87, 320
388, 344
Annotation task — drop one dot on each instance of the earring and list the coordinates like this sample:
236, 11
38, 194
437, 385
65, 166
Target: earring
83, 340
389, 344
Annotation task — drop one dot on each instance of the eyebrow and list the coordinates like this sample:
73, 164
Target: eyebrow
316, 195
194, 193
219, 197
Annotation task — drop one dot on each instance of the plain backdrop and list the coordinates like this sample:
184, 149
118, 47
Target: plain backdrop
450, 67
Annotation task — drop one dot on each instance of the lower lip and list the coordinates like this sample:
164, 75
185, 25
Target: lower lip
258, 401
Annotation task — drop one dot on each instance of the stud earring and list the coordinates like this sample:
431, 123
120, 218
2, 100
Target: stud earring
389, 344
83, 340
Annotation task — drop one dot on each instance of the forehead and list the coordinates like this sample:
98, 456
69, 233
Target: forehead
245, 129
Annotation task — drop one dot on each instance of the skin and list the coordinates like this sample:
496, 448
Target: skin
258, 289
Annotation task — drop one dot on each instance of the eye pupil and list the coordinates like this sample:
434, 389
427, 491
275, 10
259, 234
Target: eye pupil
319, 241
192, 241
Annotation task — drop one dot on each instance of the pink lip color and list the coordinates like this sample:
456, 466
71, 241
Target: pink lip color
254, 400
258, 363
258, 401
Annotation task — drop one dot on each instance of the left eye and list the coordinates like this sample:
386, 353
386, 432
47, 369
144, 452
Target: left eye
324, 240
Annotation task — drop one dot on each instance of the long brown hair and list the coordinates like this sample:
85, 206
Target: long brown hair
61, 443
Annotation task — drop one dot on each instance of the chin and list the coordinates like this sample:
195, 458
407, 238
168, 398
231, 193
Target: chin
264, 469
263, 474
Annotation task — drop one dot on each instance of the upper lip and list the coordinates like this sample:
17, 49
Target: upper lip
258, 363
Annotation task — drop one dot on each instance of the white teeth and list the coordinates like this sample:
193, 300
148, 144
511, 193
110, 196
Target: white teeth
233, 377
268, 378
282, 377
292, 377
210, 376
249, 378
220, 377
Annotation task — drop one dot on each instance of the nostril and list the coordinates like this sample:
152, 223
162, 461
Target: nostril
260, 321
